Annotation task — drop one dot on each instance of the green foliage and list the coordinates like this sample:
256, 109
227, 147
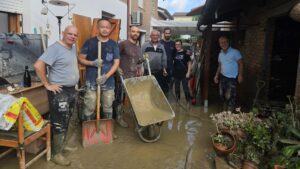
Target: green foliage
288, 136
175, 36
259, 135
252, 154
224, 139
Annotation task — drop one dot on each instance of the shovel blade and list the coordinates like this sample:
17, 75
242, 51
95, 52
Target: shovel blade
93, 134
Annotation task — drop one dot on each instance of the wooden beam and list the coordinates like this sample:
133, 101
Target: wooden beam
208, 34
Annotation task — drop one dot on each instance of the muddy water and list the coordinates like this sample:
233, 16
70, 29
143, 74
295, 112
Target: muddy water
184, 144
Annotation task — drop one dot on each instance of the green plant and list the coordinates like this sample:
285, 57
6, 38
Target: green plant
252, 154
289, 154
232, 121
259, 135
259, 140
223, 139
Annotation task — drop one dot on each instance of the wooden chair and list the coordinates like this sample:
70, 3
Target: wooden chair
20, 139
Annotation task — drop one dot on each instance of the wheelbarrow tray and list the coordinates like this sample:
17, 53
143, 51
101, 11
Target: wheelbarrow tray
148, 101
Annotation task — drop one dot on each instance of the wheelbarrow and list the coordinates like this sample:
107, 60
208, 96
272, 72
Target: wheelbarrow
150, 107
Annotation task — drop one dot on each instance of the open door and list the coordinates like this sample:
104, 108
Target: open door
86, 30
84, 26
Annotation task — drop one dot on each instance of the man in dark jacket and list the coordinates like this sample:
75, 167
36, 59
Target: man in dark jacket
157, 59
169, 46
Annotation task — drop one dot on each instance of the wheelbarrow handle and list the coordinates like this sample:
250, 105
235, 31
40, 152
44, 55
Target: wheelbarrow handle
148, 65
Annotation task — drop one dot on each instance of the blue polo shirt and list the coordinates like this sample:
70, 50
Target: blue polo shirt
109, 52
228, 60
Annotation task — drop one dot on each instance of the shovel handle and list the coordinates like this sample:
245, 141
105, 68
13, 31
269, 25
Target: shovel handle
98, 87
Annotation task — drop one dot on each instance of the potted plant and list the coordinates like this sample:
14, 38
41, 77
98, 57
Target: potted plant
258, 143
251, 157
234, 123
224, 142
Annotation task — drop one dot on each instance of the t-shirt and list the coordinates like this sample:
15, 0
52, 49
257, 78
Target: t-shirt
170, 51
181, 60
109, 52
62, 63
228, 60
130, 55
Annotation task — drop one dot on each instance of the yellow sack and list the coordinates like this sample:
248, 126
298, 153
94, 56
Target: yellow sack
32, 119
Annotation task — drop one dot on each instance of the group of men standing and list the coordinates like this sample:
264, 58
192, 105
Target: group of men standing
127, 57
169, 63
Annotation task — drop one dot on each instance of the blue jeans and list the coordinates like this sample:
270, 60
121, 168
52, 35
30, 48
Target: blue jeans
227, 89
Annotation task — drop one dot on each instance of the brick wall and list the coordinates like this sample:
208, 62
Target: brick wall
256, 64
252, 51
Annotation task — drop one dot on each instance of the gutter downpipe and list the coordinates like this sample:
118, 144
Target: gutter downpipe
128, 16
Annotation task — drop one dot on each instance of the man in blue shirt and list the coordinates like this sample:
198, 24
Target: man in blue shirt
110, 62
230, 72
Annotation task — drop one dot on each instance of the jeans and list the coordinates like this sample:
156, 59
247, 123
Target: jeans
227, 89
184, 82
61, 106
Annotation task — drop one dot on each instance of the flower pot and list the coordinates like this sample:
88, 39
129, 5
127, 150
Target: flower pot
278, 167
222, 149
249, 165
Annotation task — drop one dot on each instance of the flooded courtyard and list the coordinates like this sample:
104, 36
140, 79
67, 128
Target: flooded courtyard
184, 144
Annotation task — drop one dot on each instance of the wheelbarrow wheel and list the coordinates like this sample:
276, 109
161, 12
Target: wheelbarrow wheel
149, 134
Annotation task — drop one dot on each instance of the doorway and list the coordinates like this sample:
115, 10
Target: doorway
284, 58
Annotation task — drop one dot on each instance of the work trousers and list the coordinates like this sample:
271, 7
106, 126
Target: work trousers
184, 82
90, 102
227, 90
61, 106
162, 80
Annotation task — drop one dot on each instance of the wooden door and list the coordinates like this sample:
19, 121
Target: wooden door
115, 31
86, 30
84, 26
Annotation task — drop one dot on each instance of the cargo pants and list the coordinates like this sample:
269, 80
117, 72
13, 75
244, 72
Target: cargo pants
90, 103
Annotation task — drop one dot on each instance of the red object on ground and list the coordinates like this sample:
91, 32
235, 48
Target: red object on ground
192, 84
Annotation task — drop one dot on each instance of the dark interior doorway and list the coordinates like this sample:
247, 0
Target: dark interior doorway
284, 61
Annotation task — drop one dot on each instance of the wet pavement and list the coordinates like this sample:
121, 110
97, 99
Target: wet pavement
184, 144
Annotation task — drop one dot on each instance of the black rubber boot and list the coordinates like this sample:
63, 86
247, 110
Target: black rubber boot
57, 148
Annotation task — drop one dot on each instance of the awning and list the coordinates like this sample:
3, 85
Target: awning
178, 27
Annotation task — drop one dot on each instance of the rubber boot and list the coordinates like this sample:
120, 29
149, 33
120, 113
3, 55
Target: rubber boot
120, 119
187, 97
59, 159
70, 149
57, 147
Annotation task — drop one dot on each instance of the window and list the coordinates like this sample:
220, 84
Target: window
141, 3
4, 22
10, 22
